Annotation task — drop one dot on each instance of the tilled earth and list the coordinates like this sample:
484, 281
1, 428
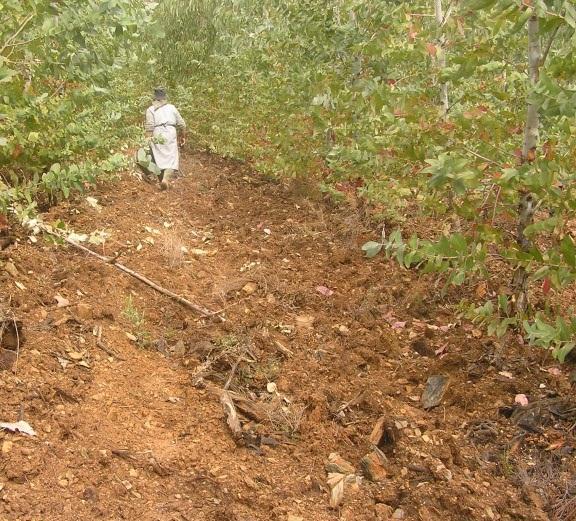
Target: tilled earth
320, 346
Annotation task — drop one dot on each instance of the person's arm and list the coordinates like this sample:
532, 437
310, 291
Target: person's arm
149, 124
181, 125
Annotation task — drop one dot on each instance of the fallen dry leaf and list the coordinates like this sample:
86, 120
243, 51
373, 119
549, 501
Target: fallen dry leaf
305, 321
336, 483
61, 301
20, 426
398, 325
323, 290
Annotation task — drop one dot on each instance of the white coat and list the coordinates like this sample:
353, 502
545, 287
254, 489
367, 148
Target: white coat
163, 120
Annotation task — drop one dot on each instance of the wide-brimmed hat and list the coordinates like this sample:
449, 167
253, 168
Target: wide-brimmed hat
160, 93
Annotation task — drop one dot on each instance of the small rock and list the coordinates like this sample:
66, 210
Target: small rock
440, 472
11, 269
179, 348
90, 494
84, 311
292, 517
343, 330
398, 514
250, 288
6, 446
434, 391
337, 463
63, 482
373, 466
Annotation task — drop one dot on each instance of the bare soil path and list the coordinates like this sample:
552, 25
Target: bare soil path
140, 436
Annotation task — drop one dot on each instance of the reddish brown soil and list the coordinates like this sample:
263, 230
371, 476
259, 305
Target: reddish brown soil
135, 439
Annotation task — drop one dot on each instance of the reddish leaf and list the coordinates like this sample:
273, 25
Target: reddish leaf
432, 49
17, 152
323, 290
399, 325
558, 444
546, 286
549, 152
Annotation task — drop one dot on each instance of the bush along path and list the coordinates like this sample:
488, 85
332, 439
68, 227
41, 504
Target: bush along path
351, 390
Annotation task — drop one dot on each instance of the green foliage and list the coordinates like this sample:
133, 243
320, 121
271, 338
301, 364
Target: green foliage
137, 321
497, 316
558, 335
61, 106
350, 89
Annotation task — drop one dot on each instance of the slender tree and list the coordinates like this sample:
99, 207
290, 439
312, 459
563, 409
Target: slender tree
531, 135
441, 20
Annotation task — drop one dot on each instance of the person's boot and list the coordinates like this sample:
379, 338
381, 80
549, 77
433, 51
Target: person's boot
167, 179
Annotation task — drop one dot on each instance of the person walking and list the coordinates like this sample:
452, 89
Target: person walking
167, 130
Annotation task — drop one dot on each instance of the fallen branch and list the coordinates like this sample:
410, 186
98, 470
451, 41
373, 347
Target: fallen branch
283, 349
228, 404
354, 401
112, 262
100, 343
231, 415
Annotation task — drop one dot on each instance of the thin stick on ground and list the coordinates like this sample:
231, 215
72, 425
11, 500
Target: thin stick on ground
228, 404
100, 343
112, 262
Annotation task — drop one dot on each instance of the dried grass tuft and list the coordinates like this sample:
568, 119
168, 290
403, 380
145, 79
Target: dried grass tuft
172, 249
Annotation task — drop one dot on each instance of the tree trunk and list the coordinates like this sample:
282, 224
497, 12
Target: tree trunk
442, 56
526, 205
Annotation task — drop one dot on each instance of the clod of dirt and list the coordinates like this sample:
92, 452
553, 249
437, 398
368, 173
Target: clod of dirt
11, 334
7, 359
202, 349
337, 463
434, 391
249, 288
372, 465
421, 347
84, 311
383, 512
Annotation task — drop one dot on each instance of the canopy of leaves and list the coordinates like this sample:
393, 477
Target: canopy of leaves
57, 62
349, 90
